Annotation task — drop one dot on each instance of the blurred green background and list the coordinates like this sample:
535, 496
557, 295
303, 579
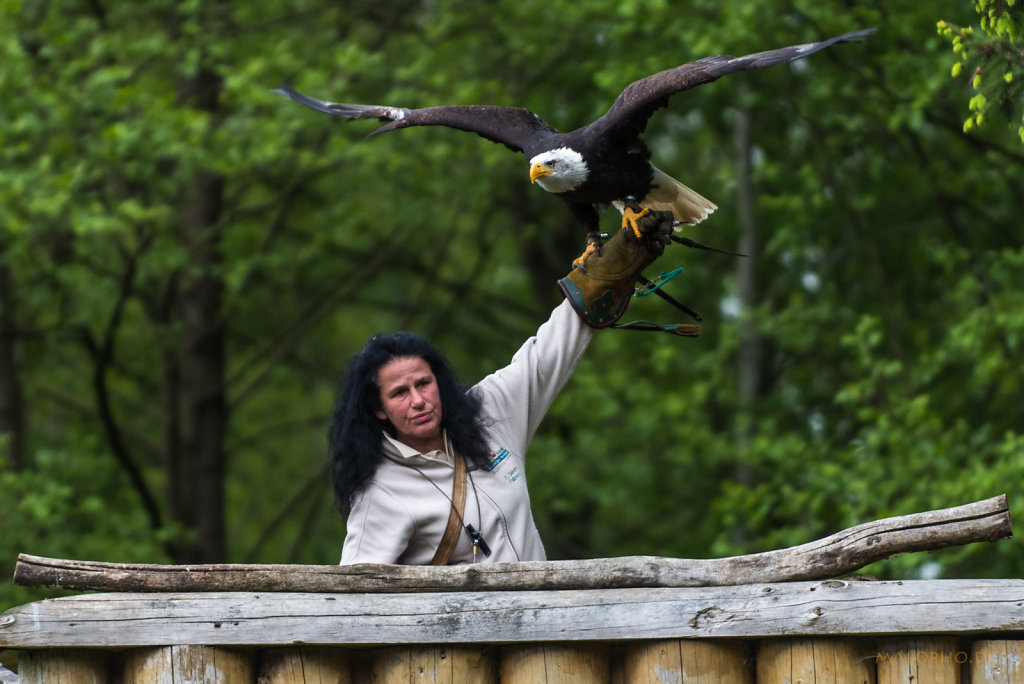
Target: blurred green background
187, 261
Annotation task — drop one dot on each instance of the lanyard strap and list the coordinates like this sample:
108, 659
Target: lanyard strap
451, 532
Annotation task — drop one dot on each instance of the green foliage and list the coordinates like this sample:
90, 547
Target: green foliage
888, 317
993, 60
72, 505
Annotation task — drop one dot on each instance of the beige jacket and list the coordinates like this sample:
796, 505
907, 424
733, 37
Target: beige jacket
400, 517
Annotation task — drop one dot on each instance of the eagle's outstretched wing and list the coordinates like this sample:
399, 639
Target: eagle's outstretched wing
634, 106
513, 127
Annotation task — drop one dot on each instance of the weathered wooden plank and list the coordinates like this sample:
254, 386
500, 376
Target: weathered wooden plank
434, 664
709, 661
838, 554
820, 660
185, 664
304, 665
996, 661
555, 664
915, 659
81, 667
276, 619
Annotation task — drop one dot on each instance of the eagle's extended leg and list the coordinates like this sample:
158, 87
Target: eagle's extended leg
593, 247
587, 215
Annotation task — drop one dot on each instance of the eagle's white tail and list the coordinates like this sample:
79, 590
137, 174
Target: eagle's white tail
668, 194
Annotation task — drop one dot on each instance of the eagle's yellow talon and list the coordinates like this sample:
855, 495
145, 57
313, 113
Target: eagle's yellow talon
630, 218
591, 248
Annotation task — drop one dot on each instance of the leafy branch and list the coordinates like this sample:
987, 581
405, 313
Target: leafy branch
101, 351
995, 57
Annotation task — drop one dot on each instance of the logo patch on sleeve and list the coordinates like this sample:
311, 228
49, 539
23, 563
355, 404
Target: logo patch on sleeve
502, 455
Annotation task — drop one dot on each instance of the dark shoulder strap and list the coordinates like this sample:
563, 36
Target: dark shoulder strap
451, 532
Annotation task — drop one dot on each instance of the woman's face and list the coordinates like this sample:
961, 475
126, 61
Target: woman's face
410, 399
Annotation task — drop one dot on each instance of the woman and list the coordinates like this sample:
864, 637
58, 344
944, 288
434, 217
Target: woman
403, 427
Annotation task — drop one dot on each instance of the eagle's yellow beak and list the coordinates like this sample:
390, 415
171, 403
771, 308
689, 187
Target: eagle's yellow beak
538, 170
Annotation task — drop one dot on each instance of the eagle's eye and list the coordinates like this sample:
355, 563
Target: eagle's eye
552, 164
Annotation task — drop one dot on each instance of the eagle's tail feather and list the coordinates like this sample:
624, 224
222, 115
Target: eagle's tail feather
668, 194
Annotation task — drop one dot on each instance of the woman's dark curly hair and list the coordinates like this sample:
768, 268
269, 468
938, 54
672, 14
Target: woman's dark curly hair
355, 432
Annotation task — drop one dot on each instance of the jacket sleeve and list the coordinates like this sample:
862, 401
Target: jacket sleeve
380, 528
518, 396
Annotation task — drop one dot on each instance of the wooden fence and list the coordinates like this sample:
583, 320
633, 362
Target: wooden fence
841, 631
764, 618
914, 661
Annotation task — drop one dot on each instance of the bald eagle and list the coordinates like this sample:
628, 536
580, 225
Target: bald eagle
602, 163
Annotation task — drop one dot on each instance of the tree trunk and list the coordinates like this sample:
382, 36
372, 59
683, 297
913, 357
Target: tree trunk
750, 343
749, 363
12, 413
202, 421
202, 363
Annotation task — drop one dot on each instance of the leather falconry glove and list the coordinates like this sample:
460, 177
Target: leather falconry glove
600, 288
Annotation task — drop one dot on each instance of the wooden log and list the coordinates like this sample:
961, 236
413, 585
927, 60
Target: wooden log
710, 661
68, 665
838, 554
992, 661
837, 607
304, 665
823, 661
435, 664
917, 659
555, 664
187, 664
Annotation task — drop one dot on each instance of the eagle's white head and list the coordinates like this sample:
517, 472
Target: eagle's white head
559, 170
